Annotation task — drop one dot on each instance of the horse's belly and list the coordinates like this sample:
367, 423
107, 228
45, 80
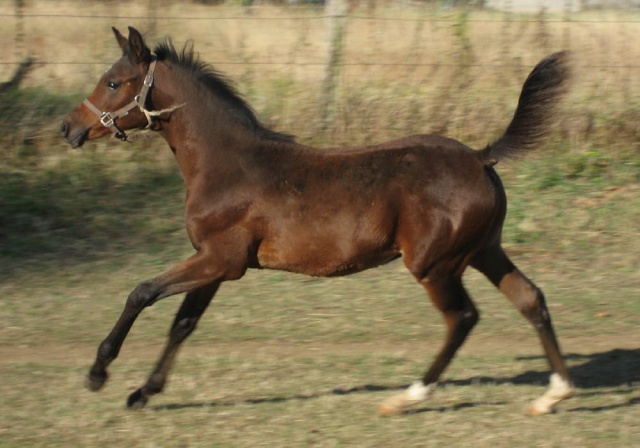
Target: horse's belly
326, 258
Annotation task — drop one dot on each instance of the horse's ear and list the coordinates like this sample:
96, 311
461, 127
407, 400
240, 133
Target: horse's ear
122, 41
138, 51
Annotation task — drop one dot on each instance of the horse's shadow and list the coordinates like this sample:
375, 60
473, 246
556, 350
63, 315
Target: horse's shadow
613, 368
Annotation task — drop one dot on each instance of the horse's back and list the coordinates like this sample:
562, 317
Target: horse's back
330, 212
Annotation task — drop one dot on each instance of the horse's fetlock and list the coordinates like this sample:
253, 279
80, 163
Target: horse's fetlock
105, 352
155, 383
182, 329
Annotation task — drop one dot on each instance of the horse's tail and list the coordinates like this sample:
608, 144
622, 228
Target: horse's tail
541, 92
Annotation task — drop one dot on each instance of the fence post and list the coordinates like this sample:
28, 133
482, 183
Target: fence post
336, 13
19, 37
151, 8
566, 35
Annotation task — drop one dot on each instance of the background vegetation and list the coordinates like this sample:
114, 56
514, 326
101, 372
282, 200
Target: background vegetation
282, 360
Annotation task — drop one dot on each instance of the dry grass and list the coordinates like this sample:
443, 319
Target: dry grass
279, 361
407, 69
254, 405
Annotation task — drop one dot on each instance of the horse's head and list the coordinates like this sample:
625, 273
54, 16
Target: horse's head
118, 102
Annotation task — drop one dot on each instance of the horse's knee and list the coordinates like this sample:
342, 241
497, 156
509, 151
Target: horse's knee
463, 321
141, 297
533, 306
182, 329
470, 318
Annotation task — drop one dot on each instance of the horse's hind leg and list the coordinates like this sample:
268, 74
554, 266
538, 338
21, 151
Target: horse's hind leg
450, 297
192, 308
529, 300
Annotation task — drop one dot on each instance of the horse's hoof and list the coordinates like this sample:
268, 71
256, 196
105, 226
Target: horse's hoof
395, 405
136, 400
559, 389
386, 410
95, 382
536, 410
398, 404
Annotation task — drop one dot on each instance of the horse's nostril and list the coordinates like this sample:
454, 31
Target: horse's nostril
64, 129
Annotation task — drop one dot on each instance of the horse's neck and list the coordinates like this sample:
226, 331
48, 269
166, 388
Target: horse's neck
200, 152
202, 138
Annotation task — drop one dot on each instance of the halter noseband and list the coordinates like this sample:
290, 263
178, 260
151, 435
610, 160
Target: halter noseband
108, 119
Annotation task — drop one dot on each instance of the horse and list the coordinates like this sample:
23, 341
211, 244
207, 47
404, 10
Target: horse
257, 199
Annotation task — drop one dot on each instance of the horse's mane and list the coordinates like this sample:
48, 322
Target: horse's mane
218, 84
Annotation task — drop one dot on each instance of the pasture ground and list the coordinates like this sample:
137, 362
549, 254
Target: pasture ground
284, 360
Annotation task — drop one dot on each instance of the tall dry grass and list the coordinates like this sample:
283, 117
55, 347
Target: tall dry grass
406, 69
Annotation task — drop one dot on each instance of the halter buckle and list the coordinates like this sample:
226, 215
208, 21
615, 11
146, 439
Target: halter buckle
106, 119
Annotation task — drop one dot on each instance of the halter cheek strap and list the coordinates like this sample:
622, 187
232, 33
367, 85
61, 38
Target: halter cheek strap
108, 119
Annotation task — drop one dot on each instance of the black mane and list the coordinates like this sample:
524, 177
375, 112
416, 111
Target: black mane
218, 84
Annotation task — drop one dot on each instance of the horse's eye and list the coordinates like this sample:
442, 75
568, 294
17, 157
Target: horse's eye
113, 85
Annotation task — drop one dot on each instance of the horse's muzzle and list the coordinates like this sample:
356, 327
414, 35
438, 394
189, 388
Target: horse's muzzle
75, 138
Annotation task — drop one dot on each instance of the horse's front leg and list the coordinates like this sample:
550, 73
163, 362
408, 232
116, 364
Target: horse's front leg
197, 271
192, 308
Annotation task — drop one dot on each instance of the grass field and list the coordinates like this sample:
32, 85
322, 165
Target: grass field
282, 360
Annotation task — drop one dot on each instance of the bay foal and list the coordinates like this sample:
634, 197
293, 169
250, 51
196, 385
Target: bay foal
257, 199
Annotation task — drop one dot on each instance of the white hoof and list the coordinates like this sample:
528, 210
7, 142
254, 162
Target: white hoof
413, 395
559, 389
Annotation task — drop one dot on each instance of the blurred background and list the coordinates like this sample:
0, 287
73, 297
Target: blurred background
345, 73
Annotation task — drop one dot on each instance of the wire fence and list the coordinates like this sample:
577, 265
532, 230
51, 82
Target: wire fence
409, 63
22, 14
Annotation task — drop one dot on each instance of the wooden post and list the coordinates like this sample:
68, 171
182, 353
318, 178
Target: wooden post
566, 35
18, 48
151, 7
336, 12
